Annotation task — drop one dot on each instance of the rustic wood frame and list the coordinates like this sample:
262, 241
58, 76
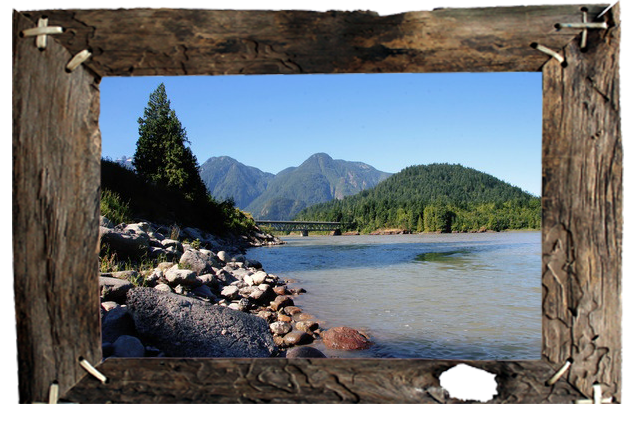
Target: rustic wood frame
56, 154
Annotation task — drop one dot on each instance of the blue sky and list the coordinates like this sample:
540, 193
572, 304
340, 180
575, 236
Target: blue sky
487, 121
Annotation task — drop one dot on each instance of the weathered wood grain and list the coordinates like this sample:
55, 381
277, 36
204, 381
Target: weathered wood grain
306, 381
582, 220
56, 172
205, 42
56, 192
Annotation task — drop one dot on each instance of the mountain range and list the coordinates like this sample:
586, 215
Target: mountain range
320, 178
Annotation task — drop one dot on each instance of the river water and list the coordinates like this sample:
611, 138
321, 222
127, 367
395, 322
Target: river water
437, 296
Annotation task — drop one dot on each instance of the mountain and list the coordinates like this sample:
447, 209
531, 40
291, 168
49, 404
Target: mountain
320, 178
225, 177
435, 198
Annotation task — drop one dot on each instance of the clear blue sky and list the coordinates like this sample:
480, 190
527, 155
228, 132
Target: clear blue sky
487, 121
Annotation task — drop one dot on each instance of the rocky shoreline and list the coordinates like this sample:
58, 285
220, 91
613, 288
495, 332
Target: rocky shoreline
192, 294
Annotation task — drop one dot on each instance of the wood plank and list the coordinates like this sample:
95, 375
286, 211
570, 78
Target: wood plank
56, 152
56, 172
205, 42
582, 225
306, 381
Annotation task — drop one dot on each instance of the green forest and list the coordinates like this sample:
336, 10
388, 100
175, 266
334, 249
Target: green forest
434, 198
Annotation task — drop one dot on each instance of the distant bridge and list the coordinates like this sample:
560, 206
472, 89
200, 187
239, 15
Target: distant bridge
301, 226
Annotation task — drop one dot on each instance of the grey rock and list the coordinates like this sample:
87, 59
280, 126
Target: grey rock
259, 277
153, 277
200, 262
172, 243
117, 322
230, 292
208, 279
105, 222
280, 328
163, 287
176, 276
109, 305
223, 256
204, 292
253, 263
126, 274
187, 327
128, 346
124, 244
113, 289
304, 352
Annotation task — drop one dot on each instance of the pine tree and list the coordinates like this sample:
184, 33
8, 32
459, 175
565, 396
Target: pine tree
162, 155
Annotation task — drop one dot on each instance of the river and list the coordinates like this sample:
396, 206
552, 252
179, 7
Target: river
432, 296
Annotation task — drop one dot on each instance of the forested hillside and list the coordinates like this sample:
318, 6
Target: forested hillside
434, 198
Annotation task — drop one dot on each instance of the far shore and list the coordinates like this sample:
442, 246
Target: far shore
391, 232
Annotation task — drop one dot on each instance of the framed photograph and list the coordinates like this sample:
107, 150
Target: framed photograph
57, 187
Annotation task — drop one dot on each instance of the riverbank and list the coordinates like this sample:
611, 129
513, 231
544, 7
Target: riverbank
171, 292
461, 295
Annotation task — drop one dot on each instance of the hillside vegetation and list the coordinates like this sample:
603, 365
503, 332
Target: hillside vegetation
434, 198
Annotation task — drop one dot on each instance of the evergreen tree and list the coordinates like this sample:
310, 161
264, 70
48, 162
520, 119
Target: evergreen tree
162, 155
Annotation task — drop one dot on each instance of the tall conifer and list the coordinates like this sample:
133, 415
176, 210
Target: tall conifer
162, 155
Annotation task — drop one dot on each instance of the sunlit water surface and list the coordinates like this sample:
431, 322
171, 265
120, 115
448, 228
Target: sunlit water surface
443, 296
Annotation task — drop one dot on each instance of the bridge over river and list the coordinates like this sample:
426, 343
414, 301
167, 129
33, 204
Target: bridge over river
302, 226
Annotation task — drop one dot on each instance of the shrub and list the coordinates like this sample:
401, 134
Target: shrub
113, 208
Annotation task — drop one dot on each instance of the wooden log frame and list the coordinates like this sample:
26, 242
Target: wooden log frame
56, 189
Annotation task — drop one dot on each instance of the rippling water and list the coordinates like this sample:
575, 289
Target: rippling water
450, 296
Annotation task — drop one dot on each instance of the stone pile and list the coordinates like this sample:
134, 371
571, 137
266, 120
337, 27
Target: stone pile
206, 299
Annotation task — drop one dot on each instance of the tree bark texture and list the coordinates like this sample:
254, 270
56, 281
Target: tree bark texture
56, 173
205, 42
582, 219
56, 189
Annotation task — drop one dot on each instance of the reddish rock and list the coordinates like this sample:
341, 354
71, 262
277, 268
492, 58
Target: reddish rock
344, 338
292, 310
280, 302
297, 338
284, 318
280, 290
308, 326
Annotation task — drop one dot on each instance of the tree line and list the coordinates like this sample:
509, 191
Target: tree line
434, 198
165, 184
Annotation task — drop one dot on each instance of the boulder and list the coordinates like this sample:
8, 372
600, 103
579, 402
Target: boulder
258, 277
204, 292
187, 327
105, 222
304, 352
163, 287
280, 302
280, 328
172, 243
124, 244
128, 346
297, 338
117, 322
198, 261
176, 276
113, 289
223, 256
292, 310
344, 338
306, 326
230, 292
209, 280
253, 263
